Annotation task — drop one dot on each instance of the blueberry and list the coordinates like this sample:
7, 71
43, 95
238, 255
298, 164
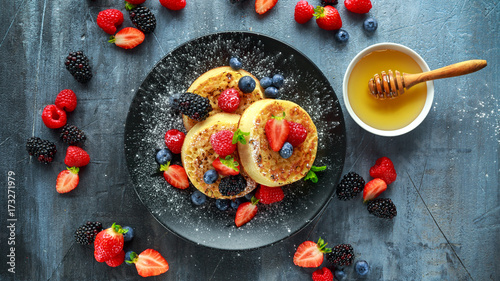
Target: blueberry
370, 24
362, 268
128, 258
163, 156
278, 80
210, 176
222, 204
342, 36
266, 82
235, 63
271, 92
246, 84
249, 196
340, 274
198, 198
286, 150
129, 234
235, 203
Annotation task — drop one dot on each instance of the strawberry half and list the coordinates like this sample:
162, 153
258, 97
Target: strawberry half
262, 6
384, 169
108, 243
226, 166
175, 175
246, 212
373, 189
269, 195
149, 263
127, 38
67, 180
327, 18
277, 130
310, 254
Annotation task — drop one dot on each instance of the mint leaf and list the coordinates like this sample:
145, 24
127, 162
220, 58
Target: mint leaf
239, 136
311, 176
318, 169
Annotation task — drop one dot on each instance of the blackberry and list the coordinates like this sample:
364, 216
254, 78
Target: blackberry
78, 65
232, 185
86, 233
341, 255
350, 186
382, 208
143, 19
71, 135
329, 2
236, 1
194, 106
43, 150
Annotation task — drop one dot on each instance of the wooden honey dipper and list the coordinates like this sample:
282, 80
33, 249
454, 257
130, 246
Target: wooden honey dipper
391, 85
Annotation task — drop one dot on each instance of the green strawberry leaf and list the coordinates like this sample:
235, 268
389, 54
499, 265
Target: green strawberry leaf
279, 117
230, 163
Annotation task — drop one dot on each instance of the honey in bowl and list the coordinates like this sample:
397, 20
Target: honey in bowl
388, 114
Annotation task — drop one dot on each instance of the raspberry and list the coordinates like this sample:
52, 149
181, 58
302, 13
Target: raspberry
174, 5
297, 134
53, 117
43, 150
76, 157
66, 100
109, 19
269, 195
222, 143
384, 169
358, 6
303, 12
174, 140
323, 274
229, 100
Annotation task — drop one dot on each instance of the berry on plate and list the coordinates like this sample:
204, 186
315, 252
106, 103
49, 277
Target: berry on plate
277, 130
341, 255
362, 268
53, 117
108, 243
78, 66
117, 260
43, 150
303, 12
266, 82
175, 175
86, 233
174, 140
229, 100
232, 185
226, 166
310, 254
235, 63
222, 204
373, 189
269, 195
71, 135
262, 6
358, 6
327, 18
142, 18
66, 100
278, 80
297, 134
163, 156
350, 186
67, 180
198, 198
271, 92
127, 38
222, 143
322, 274
382, 208
286, 150
210, 176
109, 19
174, 5
194, 106
370, 25
76, 157
384, 169
246, 84
148, 263
246, 212
342, 36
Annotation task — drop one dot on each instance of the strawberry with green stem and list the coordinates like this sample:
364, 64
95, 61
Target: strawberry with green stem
277, 129
175, 175
226, 166
109, 243
246, 212
310, 254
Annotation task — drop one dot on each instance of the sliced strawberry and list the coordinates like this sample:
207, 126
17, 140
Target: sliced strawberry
246, 211
373, 189
277, 129
117, 260
310, 254
127, 38
149, 263
227, 166
269, 195
67, 180
108, 243
175, 175
262, 6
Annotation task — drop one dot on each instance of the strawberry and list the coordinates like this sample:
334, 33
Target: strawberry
277, 130
246, 212
174, 140
262, 6
127, 38
303, 12
175, 175
135, 2
67, 180
322, 274
108, 243
117, 260
229, 100
384, 169
76, 157
310, 254
226, 166
327, 18
358, 6
373, 189
53, 117
173, 4
149, 263
269, 195
109, 19
222, 143
66, 100
297, 134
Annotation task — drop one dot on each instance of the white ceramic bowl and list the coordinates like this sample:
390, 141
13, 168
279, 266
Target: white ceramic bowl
430, 89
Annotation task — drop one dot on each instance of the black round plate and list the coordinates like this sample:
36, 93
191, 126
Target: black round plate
150, 117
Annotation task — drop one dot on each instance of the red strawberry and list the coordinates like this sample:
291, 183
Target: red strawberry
323, 274
135, 2
310, 254
269, 195
303, 12
76, 157
327, 18
53, 117
384, 169
229, 100
109, 19
173, 4
358, 6
66, 100
297, 134
149, 263
246, 211
67, 180
222, 143
277, 130
373, 189
127, 38
226, 166
174, 140
117, 260
262, 6
175, 175
108, 243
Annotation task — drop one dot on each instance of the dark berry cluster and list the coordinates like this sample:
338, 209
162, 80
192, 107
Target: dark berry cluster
341, 255
350, 186
382, 208
194, 106
232, 185
78, 65
143, 19
43, 150
86, 233
71, 135
329, 2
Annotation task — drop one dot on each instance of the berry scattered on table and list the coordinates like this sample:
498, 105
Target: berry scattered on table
246, 84
222, 143
71, 135
329, 2
226, 166
382, 208
135, 2
370, 25
362, 267
232, 185
194, 106
109, 19
350, 186
222, 204
116, 260
198, 198
262, 6
340, 274
128, 258
269, 195
327, 18
66, 100
246, 212
163, 156
142, 18
86, 233
341, 255
127, 38
278, 80
236, 1
43, 150
266, 82
303, 12
108, 243
286, 150
78, 66
53, 117
149, 263
322, 274
342, 36
174, 5
76, 157
297, 134
373, 189
175, 175
271, 92
128, 234
229, 100
210, 176
310, 254
358, 6
235, 63
384, 169
277, 130
67, 180
174, 139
